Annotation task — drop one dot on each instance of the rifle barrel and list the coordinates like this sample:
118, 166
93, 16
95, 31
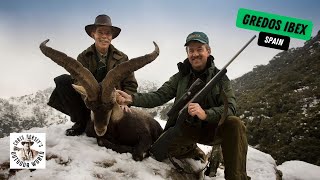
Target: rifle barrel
236, 55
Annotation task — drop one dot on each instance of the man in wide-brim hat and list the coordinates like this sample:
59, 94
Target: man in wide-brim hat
26, 153
103, 20
27, 141
99, 59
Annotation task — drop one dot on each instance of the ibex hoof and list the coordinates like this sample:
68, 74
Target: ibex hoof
100, 142
137, 156
73, 132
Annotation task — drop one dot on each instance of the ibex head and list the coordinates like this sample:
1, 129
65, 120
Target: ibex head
99, 98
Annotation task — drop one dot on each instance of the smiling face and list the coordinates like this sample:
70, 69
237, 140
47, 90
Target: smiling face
26, 146
198, 54
103, 37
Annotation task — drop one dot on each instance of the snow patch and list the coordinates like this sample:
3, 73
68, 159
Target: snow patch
299, 170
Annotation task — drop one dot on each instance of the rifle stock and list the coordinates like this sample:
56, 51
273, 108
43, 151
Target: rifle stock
186, 97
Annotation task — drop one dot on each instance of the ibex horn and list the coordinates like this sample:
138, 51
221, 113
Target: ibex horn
123, 70
75, 68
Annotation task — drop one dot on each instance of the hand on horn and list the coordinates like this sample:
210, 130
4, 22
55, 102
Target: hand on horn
123, 98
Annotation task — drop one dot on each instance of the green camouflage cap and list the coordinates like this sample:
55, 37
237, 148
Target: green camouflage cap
197, 36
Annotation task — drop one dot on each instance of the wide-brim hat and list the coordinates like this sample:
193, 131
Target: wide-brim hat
27, 141
103, 20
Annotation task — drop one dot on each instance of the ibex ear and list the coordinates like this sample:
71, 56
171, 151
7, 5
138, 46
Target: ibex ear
80, 90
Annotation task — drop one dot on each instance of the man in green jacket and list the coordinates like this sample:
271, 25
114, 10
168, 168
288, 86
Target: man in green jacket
99, 58
199, 64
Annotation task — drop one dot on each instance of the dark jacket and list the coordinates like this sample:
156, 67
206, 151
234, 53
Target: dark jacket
89, 59
178, 85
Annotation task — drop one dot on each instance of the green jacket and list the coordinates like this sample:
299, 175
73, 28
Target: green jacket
89, 59
178, 85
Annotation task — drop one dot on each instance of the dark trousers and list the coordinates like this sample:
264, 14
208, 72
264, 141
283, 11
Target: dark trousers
233, 143
66, 100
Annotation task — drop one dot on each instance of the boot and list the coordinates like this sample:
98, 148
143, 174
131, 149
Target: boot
196, 153
76, 130
215, 160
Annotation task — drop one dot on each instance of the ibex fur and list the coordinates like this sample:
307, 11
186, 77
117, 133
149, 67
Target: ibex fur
114, 128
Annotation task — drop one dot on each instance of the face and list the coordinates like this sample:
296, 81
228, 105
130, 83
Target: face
103, 37
101, 120
26, 146
198, 54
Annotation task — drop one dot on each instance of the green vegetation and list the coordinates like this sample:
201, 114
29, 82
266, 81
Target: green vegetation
280, 104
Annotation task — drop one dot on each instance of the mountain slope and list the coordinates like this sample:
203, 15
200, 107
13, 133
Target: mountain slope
25, 112
280, 104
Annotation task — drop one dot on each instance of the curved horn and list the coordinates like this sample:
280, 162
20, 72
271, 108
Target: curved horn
75, 68
123, 70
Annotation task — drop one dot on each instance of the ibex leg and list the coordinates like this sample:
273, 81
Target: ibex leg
116, 147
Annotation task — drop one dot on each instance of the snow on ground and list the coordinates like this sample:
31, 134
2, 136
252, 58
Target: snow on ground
81, 158
296, 170
260, 165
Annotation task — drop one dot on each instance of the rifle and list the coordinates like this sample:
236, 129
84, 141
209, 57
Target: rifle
185, 98
208, 87
160, 148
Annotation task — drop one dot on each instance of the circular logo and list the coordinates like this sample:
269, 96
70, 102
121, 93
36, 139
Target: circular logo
27, 150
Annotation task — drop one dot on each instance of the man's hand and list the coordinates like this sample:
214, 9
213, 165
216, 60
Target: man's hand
125, 108
123, 98
194, 109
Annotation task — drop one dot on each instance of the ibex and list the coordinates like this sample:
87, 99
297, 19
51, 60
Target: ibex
114, 128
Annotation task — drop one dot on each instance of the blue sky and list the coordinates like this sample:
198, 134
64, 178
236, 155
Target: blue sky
25, 24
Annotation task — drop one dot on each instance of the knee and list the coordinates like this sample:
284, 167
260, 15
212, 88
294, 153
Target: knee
234, 122
63, 79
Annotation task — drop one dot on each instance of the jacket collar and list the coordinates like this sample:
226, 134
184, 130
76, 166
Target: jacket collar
185, 66
112, 51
